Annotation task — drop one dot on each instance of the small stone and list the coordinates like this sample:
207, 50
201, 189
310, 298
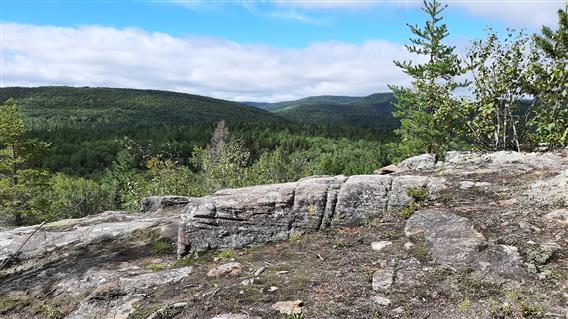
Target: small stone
386, 170
379, 245
235, 316
259, 271
559, 216
383, 278
248, 282
382, 301
272, 288
283, 272
466, 184
232, 268
289, 307
408, 245
398, 310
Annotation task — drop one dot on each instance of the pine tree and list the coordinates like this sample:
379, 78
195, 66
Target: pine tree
424, 107
20, 187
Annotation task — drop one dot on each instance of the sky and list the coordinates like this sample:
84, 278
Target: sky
237, 50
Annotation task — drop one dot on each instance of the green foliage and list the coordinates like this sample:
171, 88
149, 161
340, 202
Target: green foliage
408, 210
19, 185
223, 163
369, 111
74, 197
548, 82
419, 194
494, 118
161, 247
225, 254
423, 108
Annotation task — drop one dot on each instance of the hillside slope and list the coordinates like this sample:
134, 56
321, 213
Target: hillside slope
373, 110
49, 105
86, 127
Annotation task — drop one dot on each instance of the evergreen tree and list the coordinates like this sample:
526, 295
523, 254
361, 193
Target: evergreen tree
424, 107
21, 188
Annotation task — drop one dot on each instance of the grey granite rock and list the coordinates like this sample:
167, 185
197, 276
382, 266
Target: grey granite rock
251, 216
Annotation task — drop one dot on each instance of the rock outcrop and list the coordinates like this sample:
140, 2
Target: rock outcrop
471, 236
252, 216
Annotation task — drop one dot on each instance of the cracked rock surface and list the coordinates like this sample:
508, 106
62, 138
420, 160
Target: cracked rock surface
483, 236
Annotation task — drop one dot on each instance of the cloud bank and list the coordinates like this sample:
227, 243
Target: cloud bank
35, 55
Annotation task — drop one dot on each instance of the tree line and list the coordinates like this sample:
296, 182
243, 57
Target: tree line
516, 90
516, 99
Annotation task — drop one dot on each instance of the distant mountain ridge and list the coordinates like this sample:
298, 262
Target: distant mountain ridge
372, 110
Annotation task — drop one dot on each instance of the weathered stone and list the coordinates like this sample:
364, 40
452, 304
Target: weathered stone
381, 301
54, 238
379, 245
164, 204
453, 241
549, 192
119, 308
383, 278
289, 307
233, 268
420, 162
235, 316
252, 216
559, 216
386, 170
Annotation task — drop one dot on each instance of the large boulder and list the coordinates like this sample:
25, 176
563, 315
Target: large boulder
256, 215
420, 162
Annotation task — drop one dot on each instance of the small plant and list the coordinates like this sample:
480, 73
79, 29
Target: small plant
7, 305
464, 305
161, 247
339, 243
157, 267
225, 254
408, 210
295, 316
420, 194
295, 236
368, 273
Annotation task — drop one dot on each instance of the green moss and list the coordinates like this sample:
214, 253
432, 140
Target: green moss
161, 247
157, 267
7, 304
295, 236
408, 210
225, 254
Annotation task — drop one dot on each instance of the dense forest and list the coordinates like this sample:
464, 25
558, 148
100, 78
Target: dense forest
83, 150
69, 152
374, 110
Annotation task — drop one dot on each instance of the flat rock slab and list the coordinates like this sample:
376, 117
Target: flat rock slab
55, 237
233, 268
235, 316
559, 216
453, 241
289, 307
252, 216
128, 291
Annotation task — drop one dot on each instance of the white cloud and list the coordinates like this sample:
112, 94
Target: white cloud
524, 13
102, 56
519, 13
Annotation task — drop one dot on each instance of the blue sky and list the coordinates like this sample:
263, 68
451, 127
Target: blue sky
270, 50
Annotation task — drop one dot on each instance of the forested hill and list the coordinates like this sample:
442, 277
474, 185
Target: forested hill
87, 127
372, 110
118, 106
